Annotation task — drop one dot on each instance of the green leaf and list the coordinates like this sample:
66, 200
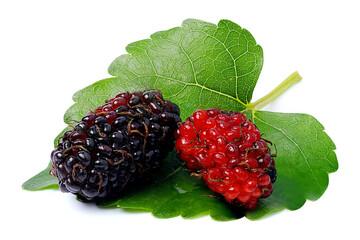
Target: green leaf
305, 156
197, 65
41, 181
202, 65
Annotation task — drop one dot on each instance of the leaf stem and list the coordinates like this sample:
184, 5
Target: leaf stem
271, 96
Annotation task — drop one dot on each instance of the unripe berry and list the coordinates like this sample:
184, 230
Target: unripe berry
228, 149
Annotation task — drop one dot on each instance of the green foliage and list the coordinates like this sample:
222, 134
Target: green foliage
203, 65
197, 65
42, 180
305, 156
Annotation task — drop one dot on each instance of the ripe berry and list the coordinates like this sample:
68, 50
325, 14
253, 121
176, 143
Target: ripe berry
227, 148
115, 146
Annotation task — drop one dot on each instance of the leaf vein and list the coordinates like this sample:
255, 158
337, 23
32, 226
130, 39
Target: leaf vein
187, 56
196, 85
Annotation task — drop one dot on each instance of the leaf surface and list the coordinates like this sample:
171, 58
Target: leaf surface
197, 65
305, 157
42, 180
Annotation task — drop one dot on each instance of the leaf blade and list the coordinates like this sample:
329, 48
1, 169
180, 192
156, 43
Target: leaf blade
220, 63
305, 158
41, 181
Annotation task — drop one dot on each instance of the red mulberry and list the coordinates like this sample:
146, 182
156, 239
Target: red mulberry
227, 148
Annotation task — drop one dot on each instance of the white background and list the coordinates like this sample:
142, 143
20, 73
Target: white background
51, 49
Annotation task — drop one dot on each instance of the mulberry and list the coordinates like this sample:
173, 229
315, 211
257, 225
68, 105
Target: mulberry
227, 150
115, 146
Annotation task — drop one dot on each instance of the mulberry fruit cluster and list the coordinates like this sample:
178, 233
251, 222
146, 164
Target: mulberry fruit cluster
227, 150
116, 145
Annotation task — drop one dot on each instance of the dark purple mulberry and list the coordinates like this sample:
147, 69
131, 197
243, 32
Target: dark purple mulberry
119, 144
